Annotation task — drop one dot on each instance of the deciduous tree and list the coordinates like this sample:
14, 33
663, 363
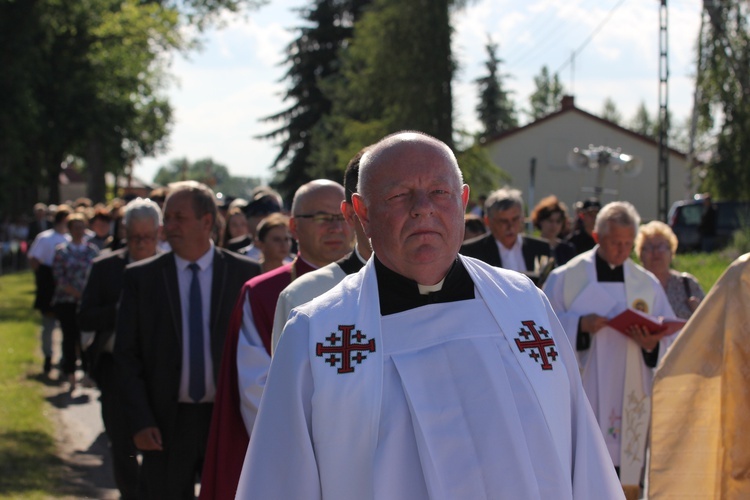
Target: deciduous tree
547, 96
724, 84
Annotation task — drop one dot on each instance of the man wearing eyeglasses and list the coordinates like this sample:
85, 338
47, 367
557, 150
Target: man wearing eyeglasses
617, 369
506, 246
97, 311
323, 236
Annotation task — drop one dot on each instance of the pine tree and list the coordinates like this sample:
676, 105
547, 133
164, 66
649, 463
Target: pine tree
396, 75
495, 108
313, 58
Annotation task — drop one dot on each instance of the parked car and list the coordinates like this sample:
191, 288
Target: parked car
685, 217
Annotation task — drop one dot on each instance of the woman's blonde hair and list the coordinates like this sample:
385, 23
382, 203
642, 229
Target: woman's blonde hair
655, 228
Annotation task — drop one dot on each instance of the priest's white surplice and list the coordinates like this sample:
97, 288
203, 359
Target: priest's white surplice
472, 399
574, 291
302, 290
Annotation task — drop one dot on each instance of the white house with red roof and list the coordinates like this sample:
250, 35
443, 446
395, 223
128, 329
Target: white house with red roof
547, 143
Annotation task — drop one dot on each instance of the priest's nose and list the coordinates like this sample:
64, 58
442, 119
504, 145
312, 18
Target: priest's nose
422, 205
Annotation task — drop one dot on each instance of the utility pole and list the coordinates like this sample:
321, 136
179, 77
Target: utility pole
689, 189
663, 177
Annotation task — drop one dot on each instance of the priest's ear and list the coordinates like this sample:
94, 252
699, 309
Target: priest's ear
360, 208
595, 235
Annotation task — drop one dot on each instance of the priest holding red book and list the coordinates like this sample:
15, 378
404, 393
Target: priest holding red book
616, 369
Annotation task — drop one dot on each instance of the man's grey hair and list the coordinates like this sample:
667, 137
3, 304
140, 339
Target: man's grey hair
370, 156
621, 213
502, 200
203, 199
141, 209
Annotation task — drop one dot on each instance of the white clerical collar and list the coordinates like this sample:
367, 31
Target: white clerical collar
611, 266
425, 289
204, 261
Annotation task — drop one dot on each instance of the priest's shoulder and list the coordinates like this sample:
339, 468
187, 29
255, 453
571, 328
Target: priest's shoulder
516, 280
580, 259
341, 294
325, 272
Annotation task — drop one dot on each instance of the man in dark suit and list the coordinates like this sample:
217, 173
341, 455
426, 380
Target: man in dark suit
97, 312
505, 246
171, 326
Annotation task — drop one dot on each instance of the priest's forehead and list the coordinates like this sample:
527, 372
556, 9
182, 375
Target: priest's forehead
398, 144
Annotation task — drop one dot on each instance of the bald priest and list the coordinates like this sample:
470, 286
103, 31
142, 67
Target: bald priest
426, 375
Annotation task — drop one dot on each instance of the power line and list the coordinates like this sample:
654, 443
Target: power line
590, 37
550, 34
542, 24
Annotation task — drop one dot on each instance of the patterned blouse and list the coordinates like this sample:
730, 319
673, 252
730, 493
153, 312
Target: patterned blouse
676, 293
69, 267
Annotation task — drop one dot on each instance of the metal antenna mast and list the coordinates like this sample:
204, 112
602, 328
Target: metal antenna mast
663, 177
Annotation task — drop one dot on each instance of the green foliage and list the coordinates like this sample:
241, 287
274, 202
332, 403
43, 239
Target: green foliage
396, 74
741, 241
706, 267
479, 172
201, 14
724, 84
207, 171
86, 78
313, 58
642, 122
495, 108
91, 71
610, 111
547, 96
28, 465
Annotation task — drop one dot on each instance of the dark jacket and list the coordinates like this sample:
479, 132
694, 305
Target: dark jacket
148, 345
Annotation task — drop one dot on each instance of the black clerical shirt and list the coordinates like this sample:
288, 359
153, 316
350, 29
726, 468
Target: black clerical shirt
351, 263
398, 293
608, 274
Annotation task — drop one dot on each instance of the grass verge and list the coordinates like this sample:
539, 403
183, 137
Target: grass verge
706, 267
29, 467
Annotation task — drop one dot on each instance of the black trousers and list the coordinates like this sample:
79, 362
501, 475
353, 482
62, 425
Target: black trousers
71, 335
124, 461
172, 473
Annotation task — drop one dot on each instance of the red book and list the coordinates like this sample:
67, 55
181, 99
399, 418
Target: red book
630, 317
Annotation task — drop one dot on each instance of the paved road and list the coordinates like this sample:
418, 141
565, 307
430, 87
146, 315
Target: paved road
81, 442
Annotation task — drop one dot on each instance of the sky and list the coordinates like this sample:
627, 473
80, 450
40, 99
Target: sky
220, 93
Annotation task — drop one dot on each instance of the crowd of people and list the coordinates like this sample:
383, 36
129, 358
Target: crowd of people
378, 339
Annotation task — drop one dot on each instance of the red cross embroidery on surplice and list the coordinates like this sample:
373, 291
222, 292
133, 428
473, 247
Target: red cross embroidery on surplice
343, 350
539, 348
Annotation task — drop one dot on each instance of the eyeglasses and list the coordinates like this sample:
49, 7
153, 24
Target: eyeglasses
136, 238
321, 219
661, 247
